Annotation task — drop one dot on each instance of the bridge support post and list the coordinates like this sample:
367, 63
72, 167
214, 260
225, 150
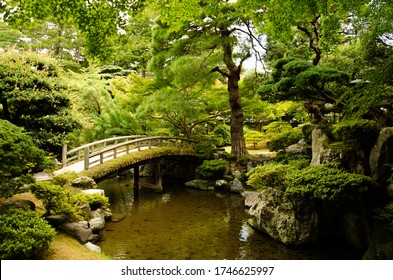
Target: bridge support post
86, 158
64, 155
159, 187
136, 181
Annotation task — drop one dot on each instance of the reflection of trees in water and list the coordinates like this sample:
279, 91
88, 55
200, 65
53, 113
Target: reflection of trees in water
190, 224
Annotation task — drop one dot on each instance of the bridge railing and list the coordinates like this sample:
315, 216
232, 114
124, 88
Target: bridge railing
98, 156
80, 153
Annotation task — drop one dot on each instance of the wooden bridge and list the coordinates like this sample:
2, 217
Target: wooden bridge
103, 157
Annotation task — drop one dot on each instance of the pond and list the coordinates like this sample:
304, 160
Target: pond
181, 224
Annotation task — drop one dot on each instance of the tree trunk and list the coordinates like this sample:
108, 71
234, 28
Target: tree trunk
238, 143
232, 73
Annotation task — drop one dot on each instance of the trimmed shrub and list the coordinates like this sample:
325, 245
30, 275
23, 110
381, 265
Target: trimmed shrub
285, 139
276, 127
269, 175
205, 150
95, 201
67, 201
23, 234
222, 134
254, 137
213, 169
364, 132
327, 182
64, 178
54, 197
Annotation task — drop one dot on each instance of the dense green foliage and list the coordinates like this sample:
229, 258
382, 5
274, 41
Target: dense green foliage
19, 159
23, 234
205, 150
327, 182
320, 182
361, 132
269, 175
31, 97
254, 137
285, 139
214, 169
64, 200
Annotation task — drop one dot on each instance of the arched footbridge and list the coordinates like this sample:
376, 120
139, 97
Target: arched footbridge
104, 157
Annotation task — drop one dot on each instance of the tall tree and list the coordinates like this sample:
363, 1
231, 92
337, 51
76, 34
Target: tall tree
215, 31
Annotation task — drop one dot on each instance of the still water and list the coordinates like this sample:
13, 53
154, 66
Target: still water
181, 223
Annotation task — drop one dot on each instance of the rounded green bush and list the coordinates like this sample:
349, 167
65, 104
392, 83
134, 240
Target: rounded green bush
212, 169
23, 234
269, 175
284, 139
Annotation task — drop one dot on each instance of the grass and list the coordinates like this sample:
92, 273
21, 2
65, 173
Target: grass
63, 247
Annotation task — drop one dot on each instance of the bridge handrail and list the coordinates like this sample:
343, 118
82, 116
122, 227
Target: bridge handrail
127, 143
100, 152
66, 153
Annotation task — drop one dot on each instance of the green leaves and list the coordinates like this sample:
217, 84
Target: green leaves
31, 96
23, 234
19, 158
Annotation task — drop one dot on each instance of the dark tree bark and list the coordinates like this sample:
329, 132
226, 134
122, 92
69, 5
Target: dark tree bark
232, 73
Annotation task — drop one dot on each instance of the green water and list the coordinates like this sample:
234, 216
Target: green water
189, 224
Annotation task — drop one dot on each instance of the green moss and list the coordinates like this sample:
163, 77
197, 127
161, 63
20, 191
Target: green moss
114, 165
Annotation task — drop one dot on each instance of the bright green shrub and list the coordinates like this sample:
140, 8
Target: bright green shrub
212, 169
327, 182
54, 197
364, 132
254, 137
94, 200
23, 234
284, 139
269, 175
284, 157
59, 200
64, 178
276, 127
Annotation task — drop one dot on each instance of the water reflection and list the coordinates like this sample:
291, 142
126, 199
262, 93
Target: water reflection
188, 224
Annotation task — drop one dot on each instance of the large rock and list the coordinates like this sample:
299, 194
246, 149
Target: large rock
93, 247
55, 220
96, 224
352, 158
200, 185
80, 231
287, 220
94, 191
381, 156
250, 198
20, 203
97, 220
236, 186
319, 139
381, 247
84, 182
